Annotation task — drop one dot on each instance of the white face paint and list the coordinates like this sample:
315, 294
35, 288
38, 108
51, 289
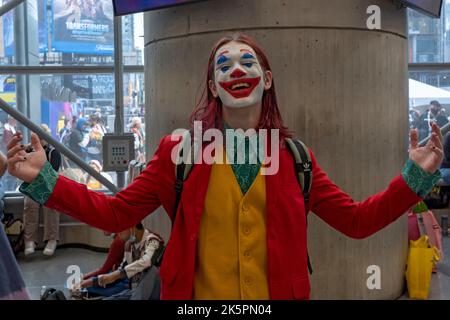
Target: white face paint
239, 78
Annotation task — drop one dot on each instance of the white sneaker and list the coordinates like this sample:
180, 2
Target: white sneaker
50, 248
29, 247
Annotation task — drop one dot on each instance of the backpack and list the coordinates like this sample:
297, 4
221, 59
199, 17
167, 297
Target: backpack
14, 231
53, 294
303, 169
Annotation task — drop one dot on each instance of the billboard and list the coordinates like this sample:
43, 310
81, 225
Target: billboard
42, 26
122, 7
83, 26
7, 30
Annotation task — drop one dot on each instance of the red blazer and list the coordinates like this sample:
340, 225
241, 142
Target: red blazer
286, 217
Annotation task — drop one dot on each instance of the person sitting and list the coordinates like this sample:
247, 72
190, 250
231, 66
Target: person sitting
112, 262
140, 246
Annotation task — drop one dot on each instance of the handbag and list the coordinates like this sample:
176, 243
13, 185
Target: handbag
422, 258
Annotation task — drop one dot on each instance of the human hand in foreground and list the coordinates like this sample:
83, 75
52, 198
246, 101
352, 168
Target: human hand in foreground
429, 157
21, 164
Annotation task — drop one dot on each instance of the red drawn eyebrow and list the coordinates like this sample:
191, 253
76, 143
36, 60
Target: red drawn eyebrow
246, 50
222, 53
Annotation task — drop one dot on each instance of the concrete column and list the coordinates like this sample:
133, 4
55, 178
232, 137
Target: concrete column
341, 87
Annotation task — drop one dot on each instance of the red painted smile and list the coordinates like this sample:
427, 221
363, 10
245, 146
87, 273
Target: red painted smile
240, 88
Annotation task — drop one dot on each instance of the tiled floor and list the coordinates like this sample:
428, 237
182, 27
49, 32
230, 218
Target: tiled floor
39, 270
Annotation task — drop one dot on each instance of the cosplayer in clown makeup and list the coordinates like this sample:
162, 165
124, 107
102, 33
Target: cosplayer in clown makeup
237, 234
239, 79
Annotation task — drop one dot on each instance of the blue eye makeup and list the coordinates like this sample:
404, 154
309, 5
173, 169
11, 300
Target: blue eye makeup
222, 59
247, 56
248, 64
224, 69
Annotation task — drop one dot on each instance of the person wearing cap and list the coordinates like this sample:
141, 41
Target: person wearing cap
77, 139
31, 210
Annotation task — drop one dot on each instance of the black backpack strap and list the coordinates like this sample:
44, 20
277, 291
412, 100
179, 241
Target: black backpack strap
303, 165
182, 170
304, 171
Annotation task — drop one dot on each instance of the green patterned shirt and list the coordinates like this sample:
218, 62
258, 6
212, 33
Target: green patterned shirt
420, 181
42, 187
244, 157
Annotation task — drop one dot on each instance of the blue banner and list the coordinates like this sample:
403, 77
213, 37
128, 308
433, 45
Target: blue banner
83, 26
8, 32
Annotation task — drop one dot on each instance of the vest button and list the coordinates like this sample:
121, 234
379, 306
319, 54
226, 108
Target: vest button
248, 281
247, 254
247, 230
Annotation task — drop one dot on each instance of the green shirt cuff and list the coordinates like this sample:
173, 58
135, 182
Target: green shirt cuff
42, 186
420, 181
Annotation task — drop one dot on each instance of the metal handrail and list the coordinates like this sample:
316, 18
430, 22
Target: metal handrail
56, 144
9, 6
444, 130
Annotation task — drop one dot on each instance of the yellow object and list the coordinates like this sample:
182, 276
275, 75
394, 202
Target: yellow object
421, 260
94, 184
231, 249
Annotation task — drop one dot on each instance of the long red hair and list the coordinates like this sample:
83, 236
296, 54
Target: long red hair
208, 110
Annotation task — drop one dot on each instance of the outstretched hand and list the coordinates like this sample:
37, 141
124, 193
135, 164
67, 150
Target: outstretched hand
429, 157
22, 165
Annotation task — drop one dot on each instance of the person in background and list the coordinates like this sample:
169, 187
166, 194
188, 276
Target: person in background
139, 141
433, 114
77, 142
9, 129
140, 246
31, 211
93, 183
65, 131
94, 146
12, 286
112, 262
414, 117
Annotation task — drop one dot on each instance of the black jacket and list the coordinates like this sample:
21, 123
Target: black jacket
53, 156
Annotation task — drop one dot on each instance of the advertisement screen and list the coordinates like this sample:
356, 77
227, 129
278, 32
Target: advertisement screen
83, 26
7, 29
43, 30
122, 7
